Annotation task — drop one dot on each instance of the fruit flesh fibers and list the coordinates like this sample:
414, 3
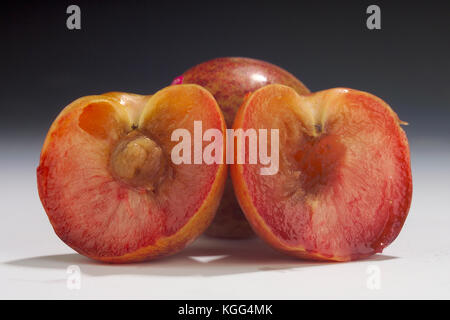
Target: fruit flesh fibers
91, 205
344, 184
229, 79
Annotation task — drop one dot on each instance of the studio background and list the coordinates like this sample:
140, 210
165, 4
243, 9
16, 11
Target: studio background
140, 46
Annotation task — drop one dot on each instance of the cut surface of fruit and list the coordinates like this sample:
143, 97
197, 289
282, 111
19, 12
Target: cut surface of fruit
230, 79
107, 182
344, 185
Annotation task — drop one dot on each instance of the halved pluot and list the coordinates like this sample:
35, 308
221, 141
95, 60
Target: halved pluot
107, 182
343, 188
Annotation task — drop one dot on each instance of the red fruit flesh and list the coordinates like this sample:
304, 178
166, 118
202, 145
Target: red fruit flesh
229, 80
344, 186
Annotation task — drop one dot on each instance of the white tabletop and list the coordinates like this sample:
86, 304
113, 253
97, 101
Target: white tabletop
34, 263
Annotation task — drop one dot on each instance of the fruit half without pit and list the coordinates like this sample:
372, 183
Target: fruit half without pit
343, 188
107, 182
229, 79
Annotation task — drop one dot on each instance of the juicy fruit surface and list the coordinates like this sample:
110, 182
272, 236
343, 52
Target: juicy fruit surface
229, 79
343, 188
106, 217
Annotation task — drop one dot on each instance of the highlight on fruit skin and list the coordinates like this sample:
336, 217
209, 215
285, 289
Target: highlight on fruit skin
229, 79
344, 185
107, 182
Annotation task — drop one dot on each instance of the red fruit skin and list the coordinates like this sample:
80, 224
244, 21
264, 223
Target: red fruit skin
230, 79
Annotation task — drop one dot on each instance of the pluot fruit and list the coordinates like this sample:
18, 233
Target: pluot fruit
229, 80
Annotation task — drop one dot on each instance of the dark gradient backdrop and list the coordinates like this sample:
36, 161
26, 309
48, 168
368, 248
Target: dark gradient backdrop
139, 46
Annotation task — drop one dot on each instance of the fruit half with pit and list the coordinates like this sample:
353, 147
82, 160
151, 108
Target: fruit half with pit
229, 79
107, 181
343, 188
